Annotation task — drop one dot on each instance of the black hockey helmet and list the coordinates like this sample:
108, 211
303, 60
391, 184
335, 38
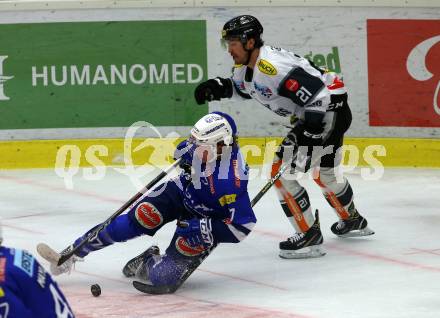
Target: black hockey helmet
243, 27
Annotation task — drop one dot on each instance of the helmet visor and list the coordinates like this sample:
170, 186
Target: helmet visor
227, 36
204, 152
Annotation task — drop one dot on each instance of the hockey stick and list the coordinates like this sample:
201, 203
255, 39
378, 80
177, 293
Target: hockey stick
92, 235
165, 289
268, 185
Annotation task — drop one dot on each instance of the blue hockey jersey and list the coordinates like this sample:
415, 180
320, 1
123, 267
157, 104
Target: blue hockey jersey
218, 191
27, 290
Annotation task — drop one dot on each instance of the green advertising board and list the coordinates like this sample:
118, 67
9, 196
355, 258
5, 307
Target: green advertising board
101, 74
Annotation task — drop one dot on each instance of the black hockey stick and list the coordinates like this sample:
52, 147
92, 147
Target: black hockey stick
92, 235
268, 185
165, 289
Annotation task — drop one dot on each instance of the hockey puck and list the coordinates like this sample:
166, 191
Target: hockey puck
96, 290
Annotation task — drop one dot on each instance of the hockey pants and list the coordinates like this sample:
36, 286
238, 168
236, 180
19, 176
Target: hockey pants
294, 198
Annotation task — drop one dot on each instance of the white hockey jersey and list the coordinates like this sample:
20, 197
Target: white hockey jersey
304, 86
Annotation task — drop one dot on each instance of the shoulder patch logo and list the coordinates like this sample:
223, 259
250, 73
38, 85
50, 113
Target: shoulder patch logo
227, 199
24, 261
267, 68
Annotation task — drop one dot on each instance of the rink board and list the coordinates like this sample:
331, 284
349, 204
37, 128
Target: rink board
347, 40
389, 152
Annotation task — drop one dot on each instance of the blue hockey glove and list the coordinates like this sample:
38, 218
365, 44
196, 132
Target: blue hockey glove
185, 150
196, 232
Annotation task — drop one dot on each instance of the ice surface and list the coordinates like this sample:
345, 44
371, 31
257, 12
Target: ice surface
394, 273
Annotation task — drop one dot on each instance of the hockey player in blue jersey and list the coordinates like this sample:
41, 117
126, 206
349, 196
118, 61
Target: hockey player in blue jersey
26, 289
209, 199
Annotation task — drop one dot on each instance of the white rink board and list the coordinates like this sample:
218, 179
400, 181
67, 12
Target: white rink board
300, 29
106, 4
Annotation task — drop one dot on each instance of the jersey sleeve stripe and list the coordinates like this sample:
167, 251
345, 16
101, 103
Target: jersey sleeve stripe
240, 231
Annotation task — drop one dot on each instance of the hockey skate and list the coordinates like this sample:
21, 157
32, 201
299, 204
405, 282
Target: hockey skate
304, 245
52, 256
354, 226
132, 265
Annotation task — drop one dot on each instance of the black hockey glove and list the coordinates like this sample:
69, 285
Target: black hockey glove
308, 135
213, 89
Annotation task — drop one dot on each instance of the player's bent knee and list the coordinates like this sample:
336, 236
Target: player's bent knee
325, 176
337, 193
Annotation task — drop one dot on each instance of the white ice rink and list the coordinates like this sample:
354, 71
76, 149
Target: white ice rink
394, 273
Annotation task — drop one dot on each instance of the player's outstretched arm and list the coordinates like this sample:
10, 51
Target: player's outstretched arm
213, 89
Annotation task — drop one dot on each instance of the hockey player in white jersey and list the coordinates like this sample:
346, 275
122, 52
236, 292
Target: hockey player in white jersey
316, 101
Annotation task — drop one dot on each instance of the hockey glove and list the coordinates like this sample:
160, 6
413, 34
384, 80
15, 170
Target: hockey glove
213, 89
184, 150
308, 135
196, 232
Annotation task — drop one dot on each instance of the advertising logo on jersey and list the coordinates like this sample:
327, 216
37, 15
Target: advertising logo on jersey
237, 180
404, 72
24, 261
148, 216
263, 90
291, 85
184, 248
211, 184
282, 112
2, 269
227, 199
266, 68
239, 85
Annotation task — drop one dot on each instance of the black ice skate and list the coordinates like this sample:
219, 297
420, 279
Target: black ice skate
354, 226
304, 245
132, 265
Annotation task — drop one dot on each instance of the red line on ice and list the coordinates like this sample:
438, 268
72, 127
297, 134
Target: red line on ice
243, 279
60, 189
348, 251
172, 305
260, 232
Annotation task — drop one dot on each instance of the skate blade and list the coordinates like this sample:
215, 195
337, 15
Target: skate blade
357, 233
48, 253
313, 251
